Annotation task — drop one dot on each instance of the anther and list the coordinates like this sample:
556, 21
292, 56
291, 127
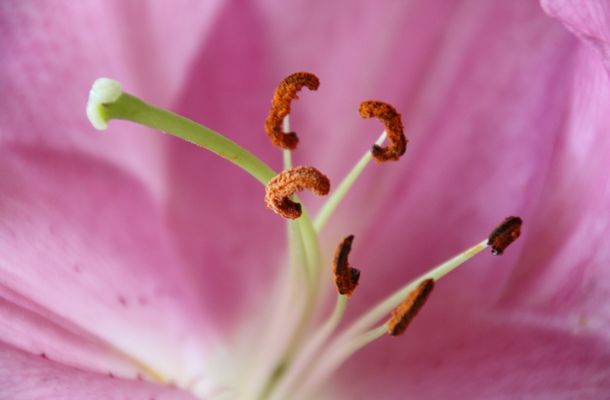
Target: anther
280, 107
290, 181
504, 234
346, 277
404, 313
393, 126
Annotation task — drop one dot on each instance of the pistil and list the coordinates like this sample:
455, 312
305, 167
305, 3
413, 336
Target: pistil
108, 101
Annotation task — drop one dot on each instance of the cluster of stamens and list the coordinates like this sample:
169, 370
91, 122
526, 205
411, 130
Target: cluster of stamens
285, 184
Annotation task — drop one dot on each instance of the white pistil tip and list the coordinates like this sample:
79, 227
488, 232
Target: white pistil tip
104, 91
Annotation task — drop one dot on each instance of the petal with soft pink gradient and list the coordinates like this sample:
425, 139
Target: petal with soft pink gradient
29, 377
84, 245
29, 326
563, 271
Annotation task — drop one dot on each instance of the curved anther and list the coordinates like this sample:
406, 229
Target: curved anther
404, 313
280, 107
346, 277
393, 126
286, 183
504, 234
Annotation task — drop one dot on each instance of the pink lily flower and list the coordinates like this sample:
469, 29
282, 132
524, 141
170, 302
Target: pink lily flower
135, 265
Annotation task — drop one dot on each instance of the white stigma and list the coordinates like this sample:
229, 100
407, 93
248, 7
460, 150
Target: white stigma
104, 91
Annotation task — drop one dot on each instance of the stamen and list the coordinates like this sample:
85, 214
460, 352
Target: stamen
337, 196
280, 107
290, 181
346, 277
393, 126
404, 313
504, 234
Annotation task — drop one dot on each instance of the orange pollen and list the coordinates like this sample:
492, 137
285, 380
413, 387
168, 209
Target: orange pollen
404, 313
504, 234
346, 277
290, 181
280, 107
393, 126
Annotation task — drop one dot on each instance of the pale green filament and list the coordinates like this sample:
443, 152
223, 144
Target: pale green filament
310, 349
287, 158
335, 198
305, 239
367, 337
287, 152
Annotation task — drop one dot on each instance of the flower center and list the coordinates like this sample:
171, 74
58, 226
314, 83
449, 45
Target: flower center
295, 355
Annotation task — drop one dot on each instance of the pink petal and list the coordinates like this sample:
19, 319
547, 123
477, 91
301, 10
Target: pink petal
563, 271
25, 376
29, 326
87, 254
